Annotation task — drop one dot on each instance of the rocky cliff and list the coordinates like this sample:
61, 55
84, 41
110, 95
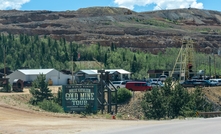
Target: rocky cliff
150, 31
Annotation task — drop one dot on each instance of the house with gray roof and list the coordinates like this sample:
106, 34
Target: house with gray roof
115, 74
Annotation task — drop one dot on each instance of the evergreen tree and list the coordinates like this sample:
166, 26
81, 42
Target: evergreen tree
159, 104
105, 59
112, 46
135, 58
58, 99
40, 90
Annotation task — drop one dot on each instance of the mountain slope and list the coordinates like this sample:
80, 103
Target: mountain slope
150, 31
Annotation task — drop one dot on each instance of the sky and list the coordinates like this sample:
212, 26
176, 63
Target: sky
135, 5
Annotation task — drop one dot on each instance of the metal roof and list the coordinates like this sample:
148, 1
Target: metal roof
91, 72
95, 72
121, 71
34, 71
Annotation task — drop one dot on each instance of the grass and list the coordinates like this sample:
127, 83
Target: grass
88, 64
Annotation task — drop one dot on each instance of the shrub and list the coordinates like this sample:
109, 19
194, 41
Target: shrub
6, 88
173, 101
51, 106
123, 95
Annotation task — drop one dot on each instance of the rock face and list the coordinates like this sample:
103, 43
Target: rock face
148, 31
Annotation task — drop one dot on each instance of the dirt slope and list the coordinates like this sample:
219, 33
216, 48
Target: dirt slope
18, 117
148, 31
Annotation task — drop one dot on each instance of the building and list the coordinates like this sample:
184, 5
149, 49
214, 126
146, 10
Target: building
57, 77
5, 71
115, 74
157, 73
82, 74
118, 74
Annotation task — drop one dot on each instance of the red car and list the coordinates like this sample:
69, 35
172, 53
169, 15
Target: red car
138, 86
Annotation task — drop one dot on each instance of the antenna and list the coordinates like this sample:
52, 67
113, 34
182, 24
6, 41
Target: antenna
189, 6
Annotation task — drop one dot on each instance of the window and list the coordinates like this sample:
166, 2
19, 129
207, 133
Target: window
137, 84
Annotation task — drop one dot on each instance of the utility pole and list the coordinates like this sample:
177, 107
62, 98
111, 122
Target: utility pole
214, 65
209, 66
4, 61
72, 68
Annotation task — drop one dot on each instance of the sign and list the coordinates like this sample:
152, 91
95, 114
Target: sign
79, 97
197, 113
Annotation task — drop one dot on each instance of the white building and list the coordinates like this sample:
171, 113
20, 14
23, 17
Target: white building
58, 78
118, 74
82, 74
115, 74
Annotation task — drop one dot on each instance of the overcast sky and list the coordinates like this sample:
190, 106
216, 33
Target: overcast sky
136, 5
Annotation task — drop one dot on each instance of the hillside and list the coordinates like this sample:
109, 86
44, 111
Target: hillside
19, 102
150, 31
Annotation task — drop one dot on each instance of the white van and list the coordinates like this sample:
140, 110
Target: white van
118, 84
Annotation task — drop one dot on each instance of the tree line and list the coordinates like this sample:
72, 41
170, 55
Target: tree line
23, 51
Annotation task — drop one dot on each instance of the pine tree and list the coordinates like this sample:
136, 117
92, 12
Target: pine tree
112, 46
40, 90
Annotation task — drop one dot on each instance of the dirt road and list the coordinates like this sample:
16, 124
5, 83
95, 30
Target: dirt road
19, 118
18, 121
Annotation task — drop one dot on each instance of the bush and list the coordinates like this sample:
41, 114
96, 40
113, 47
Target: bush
51, 106
6, 88
173, 101
123, 95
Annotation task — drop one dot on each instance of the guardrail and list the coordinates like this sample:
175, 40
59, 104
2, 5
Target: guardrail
209, 114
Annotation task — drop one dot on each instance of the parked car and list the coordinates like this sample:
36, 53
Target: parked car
163, 78
90, 80
216, 81
118, 84
195, 83
155, 80
219, 82
138, 86
157, 84
27, 83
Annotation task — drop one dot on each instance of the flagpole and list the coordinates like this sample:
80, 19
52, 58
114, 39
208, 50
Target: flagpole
79, 56
72, 62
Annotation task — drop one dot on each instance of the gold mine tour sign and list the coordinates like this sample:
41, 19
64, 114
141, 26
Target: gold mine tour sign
78, 97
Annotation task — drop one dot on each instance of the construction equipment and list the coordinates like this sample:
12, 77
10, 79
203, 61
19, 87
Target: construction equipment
185, 64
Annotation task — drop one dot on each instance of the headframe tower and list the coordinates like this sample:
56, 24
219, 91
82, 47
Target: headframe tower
184, 66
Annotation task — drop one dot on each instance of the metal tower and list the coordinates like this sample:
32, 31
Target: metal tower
185, 64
